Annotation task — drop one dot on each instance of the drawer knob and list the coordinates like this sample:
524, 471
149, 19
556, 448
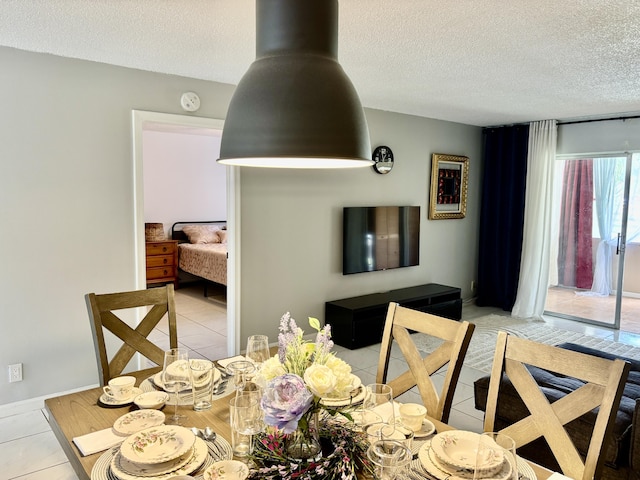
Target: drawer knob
164, 249
165, 261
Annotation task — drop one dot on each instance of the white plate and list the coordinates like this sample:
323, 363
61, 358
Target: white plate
112, 402
184, 465
357, 397
427, 429
458, 448
157, 444
435, 467
218, 450
157, 378
227, 470
133, 422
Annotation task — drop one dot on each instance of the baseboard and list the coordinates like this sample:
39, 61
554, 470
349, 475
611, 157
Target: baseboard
31, 404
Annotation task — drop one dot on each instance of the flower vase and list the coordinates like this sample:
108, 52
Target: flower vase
304, 444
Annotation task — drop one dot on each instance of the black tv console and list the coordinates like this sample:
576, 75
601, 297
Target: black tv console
359, 321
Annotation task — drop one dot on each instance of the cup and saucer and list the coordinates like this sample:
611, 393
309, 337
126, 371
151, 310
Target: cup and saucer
119, 392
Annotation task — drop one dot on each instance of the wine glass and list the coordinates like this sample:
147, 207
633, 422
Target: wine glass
496, 453
176, 376
247, 416
241, 370
258, 349
378, 411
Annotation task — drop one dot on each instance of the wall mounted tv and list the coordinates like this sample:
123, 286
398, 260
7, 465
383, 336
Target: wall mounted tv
380, 238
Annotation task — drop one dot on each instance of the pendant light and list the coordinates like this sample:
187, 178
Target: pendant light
295, 107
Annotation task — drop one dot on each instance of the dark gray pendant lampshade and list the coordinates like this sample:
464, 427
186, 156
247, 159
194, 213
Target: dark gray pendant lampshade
295, 107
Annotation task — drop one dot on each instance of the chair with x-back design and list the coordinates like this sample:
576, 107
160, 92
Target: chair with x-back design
455, 338
602, 382
160, 303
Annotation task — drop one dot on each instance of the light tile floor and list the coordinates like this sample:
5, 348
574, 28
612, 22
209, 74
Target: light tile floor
29, 450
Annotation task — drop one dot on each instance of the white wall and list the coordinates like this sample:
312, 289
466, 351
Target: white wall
68, 216
292, 224
182, 180
599, 137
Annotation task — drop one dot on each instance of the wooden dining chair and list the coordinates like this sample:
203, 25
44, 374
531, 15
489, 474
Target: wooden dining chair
451, 352
604, 382
102, 312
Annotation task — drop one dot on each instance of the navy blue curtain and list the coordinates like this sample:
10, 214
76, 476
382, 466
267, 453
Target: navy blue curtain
502, 214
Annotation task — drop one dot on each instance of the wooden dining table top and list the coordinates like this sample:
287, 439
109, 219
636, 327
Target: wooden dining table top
78, 413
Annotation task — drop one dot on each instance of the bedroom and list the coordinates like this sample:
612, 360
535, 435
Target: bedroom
177, 158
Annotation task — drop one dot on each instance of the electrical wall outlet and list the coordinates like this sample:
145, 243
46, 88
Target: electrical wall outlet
473, 285
15, 372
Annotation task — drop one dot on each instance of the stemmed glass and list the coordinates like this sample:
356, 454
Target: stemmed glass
176, 376
258, 349
378, 411
241, 370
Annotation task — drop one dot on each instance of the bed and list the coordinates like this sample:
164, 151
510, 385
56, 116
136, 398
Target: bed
202, 250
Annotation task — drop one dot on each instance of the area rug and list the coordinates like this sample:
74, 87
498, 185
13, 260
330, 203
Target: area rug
483, 341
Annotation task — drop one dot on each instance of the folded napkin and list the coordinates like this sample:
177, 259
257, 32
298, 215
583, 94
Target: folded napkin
224, 363
97, 441
384, 410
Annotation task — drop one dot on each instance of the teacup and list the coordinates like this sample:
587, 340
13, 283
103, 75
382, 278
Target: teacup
412, 415
120, 388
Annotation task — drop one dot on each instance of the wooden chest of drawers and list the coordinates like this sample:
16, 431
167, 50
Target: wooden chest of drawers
162, 262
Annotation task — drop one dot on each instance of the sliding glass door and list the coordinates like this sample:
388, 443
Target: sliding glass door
598, 218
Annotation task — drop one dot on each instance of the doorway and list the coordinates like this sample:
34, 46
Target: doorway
595, 276
140, 119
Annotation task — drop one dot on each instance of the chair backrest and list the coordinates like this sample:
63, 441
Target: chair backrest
451, 352
101, 312
604, 382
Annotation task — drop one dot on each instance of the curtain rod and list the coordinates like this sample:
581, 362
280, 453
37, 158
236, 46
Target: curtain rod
597, 120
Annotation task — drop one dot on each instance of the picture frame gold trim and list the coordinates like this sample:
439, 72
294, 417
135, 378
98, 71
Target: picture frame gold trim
449, 183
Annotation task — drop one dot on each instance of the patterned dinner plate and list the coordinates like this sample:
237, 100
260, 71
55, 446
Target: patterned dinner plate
435, 468
157, 444
133, 422
184, 465
157, 378
356, 397
218, 450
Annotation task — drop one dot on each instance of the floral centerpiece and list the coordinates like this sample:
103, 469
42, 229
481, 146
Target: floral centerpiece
296, 380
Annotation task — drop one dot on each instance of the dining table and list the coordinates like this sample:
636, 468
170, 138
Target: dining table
79, 413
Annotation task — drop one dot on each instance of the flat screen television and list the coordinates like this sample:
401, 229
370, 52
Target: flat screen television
380, 238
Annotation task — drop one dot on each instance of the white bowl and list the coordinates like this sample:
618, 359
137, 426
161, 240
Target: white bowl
459, 448
154, 400
226, 470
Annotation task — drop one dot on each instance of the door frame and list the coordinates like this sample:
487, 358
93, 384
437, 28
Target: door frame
628, 155
138, 120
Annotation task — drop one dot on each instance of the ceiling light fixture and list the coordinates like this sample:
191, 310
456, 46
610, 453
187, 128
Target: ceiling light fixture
295, 107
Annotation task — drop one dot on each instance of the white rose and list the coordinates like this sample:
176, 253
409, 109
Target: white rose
320, 379
271, 368
342, 371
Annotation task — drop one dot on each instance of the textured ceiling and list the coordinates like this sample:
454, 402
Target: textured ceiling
479, 62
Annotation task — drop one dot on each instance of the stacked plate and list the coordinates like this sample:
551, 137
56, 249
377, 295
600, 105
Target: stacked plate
452, 455
356, 395
185, 396
159, 453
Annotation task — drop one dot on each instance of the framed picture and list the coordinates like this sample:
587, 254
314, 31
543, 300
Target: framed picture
449, 180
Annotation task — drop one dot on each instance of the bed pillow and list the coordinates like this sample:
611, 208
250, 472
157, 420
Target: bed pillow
223, 236
202, 233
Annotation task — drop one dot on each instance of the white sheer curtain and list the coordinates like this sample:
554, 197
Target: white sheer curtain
605, 186
608, 186
538, 221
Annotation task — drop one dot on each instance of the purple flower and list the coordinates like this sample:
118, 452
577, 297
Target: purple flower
285, 400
